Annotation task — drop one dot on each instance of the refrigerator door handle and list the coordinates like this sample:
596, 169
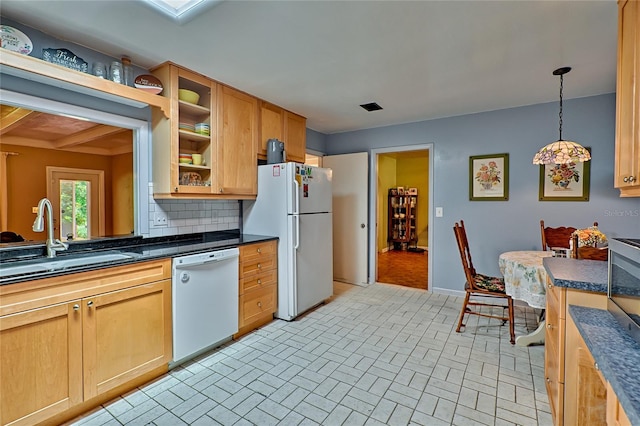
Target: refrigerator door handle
296, 207
297, 232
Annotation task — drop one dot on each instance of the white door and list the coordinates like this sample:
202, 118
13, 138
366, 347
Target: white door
350, 198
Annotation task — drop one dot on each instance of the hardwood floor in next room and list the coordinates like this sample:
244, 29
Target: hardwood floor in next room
404, 268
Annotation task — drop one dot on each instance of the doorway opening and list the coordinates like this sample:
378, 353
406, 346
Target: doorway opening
401, 191
78, 200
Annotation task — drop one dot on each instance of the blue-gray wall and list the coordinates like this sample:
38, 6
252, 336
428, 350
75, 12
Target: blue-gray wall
494, 227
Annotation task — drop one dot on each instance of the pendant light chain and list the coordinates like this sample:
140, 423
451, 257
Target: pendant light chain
560, 113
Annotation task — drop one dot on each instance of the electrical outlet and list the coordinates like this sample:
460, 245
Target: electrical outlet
439, 212
160, 219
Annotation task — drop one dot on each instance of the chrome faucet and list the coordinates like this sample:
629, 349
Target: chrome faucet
53, 245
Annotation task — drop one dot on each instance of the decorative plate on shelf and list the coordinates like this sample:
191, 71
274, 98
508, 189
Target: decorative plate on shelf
15, 40
148, 83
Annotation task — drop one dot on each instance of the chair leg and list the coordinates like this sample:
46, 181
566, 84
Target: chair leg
511, 326
463, 311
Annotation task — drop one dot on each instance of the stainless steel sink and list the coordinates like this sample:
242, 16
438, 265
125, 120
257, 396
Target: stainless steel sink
44, 265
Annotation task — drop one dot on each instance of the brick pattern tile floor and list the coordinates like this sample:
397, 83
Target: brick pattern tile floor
376, 355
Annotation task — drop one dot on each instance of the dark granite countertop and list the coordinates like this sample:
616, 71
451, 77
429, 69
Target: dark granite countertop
588, 275
139, 250
616, 352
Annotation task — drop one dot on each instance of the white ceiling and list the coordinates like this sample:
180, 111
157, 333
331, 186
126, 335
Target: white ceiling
418, 59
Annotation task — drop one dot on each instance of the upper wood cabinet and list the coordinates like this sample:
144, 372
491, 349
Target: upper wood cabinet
290, 128
295, 136
228, 153
271, 126
237, 142
627, 162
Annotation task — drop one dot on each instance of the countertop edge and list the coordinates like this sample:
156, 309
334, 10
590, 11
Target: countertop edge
155, 250
620, 366
587, 275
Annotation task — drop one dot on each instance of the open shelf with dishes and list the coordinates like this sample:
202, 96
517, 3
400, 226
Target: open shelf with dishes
208, 147
402, 209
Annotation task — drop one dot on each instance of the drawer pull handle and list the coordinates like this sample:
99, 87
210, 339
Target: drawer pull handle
259, 251
76, 307
595, 365
549, 326
90, 303
259, 304
549, 286
259, 266
259, 281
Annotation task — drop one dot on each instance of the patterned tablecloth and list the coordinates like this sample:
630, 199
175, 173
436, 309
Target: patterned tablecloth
524, 276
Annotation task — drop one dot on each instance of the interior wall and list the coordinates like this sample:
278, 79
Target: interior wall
122, 190
386, 180
495, 227
413, 172
27, 177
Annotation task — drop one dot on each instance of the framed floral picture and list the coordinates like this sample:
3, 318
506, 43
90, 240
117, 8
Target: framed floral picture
565, 182
489, 177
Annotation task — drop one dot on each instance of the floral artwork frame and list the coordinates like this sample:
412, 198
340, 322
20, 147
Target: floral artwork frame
489, 177
554, 188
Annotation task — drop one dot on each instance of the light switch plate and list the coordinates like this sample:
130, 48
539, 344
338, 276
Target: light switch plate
439, 212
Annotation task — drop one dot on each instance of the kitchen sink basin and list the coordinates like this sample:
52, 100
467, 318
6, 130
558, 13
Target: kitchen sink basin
44, 265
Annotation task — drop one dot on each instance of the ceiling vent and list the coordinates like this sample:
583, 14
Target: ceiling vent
371, 106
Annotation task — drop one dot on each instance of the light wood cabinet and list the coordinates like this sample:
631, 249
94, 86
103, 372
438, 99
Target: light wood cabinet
271, 126
237, 143
615, 414
258, 285
557, 346
290, 128
295, 136
229, 168
40, 363
586, 391
627, 158
69, 343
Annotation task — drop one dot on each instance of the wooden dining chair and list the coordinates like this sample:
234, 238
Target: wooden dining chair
478, 285
591, 253
556, 237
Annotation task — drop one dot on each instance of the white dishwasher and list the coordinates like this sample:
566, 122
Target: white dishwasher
205, 302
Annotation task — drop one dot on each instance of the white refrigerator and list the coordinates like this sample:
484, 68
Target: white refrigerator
294, 204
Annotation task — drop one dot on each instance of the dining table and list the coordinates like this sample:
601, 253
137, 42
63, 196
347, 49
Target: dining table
525, 279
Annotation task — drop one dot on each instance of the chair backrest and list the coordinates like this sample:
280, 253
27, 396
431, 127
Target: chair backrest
556, 237
592, 253
465, 253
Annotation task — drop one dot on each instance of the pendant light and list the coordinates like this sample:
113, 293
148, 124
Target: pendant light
561, 151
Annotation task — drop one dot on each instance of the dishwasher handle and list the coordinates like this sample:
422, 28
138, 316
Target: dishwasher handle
204, 258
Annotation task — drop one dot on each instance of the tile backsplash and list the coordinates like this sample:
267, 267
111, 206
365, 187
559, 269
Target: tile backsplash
189, 216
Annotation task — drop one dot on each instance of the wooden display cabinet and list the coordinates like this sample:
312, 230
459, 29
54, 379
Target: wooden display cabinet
228, 152
170, 139
402, 219
627, 158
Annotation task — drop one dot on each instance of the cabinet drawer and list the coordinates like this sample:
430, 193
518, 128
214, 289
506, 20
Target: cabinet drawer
554, 363
256, 266
261, 280
254, 252
257, 304
556, 298
555, 391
